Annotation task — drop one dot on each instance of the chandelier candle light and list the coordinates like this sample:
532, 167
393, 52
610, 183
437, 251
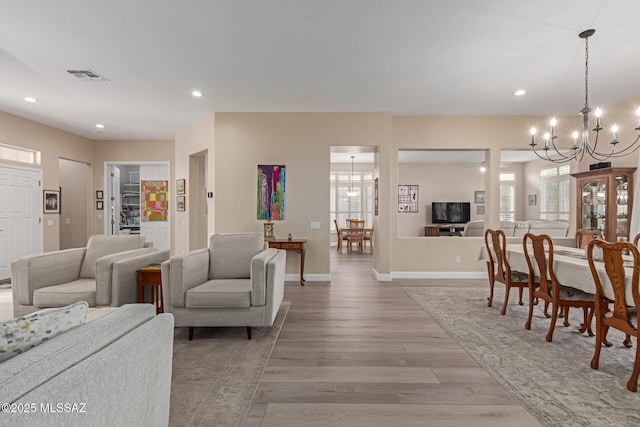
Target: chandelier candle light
582, 146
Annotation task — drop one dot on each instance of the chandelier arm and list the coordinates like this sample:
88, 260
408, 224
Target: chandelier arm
550, 159
567, 158
631, 148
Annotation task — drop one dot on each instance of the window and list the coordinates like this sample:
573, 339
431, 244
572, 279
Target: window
555, 193
344, 206
507, 196
20, 155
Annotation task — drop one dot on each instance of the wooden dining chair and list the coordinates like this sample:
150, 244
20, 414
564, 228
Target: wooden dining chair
583, 237
624, 315
356, 234
538, 249
499, 269
635, 239
341, 236
368, 237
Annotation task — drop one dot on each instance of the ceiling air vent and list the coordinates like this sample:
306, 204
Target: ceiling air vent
88, 75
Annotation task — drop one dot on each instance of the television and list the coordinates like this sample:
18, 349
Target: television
450, 212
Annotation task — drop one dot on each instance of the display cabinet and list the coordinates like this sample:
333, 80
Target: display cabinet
605, 198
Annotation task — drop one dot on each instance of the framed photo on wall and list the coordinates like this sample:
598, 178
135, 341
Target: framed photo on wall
532, 199
99, 194
478, 197
180, 203
181, 186
99, 205
51, 200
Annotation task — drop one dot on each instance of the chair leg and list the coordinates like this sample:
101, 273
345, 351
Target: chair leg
627, 341
565, 313
552, 326
520, 290
248, 332
491, 283
632, 385
586, 326
528, 324
191, 328
506, 300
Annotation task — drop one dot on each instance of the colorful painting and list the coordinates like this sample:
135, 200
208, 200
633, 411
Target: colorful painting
271, 184
154, 201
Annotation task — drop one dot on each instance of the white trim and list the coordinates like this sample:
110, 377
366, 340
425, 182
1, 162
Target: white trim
438, 274
308, 277
381, 277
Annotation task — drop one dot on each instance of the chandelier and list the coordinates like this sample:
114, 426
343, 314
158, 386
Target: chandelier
582, 146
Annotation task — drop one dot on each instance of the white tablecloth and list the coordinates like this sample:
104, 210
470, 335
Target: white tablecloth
571, 271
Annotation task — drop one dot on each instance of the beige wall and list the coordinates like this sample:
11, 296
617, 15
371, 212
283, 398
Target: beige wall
196, 138
53, 144
447, 182
74, 209
302, 142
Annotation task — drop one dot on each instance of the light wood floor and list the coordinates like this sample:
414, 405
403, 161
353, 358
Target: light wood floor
360, 352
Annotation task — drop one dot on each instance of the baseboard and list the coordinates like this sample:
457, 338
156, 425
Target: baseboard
438, 274
308, 277
381, 277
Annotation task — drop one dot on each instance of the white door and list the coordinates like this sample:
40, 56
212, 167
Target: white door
112, 218
21, 230
157, 232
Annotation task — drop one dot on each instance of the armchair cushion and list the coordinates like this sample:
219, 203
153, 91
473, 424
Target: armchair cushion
231, 293
65, 294
231, 254
100, 245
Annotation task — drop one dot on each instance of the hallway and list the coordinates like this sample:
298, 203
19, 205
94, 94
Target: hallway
360, 352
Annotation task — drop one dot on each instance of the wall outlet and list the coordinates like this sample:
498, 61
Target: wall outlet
316, 225
99, 216
458, 259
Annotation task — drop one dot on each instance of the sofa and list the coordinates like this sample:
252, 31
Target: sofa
237, 281
552, 228
104, 273
112, 371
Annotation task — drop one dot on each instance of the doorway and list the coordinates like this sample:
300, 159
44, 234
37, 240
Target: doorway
75, 180
137, 201
21, 228
352, 196
198, 209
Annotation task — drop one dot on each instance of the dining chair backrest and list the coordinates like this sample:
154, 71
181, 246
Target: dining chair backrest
355, 223
635, 239
335, 221
496, 245
539, 249
583, 237
616, 272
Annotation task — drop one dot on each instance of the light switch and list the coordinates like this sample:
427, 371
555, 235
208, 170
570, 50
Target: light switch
49, 223
316, 225
99, 216
67, 221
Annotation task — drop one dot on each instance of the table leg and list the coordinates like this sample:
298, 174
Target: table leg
140, 288
302, 267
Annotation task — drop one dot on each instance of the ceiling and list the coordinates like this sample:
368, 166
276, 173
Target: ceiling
456, 57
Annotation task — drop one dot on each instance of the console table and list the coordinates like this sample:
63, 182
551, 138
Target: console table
443, 229
293, 245
150, 276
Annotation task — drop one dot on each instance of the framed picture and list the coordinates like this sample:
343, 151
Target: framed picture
51, 201
480, 209
408, 198
180, 203
181, 186
99, 194
375, 197
532, 199
478, 197
99, 205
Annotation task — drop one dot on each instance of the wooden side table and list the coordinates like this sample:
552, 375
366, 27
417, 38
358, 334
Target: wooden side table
293, 245
150, 276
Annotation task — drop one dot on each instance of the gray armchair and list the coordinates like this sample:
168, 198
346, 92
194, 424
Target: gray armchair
102, 274
235, 282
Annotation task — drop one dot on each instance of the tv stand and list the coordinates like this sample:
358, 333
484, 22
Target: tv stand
443, 230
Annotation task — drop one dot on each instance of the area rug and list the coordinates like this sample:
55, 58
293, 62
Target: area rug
553, 381
215, 376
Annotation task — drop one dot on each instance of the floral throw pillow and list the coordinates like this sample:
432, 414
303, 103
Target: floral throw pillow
23, 333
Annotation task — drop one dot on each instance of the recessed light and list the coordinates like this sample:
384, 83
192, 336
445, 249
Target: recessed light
30, 99
196, 93
100, 126
519, 92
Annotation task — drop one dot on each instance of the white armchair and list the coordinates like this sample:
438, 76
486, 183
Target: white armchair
236, 282
102, 274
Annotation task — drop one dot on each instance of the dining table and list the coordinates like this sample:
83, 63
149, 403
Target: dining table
571, 268
366, 232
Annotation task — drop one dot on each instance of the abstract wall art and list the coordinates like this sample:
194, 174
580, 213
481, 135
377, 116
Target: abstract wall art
154, 201
271, 189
